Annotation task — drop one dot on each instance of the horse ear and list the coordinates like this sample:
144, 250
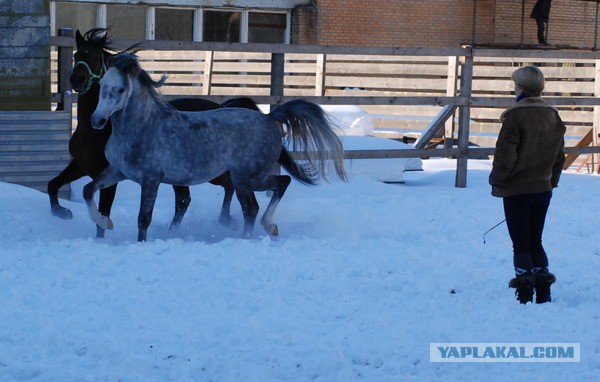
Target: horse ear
78, 38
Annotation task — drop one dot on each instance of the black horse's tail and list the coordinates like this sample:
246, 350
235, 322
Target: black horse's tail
313, 137
302, 174
243, 102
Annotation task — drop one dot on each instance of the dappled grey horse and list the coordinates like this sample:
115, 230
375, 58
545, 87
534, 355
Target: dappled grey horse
154, 143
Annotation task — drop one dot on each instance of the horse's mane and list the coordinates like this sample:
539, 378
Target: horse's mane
99, 38
127, 62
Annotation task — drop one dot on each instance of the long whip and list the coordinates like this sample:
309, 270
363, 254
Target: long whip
488, 231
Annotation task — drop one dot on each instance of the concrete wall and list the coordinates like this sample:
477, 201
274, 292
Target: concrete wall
24, 55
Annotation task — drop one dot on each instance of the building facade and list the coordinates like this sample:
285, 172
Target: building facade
406, 23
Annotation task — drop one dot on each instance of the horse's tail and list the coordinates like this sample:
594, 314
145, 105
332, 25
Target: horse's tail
313, 136
302, 174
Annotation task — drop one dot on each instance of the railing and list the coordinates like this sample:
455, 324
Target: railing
475, 81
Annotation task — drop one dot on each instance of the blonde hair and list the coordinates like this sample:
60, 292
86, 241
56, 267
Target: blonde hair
530, 78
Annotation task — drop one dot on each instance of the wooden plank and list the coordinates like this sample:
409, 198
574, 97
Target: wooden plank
241, 79
173, 67
50, 146
504, 85
36, 178
388, 83
395, 69
402, 110
358, 57
33, 156
584, 142
436, 125
32, 115
26, 136
568, 116
358, 93
54, 167
493, 101
551, 73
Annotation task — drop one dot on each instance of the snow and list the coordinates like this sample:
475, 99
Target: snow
355, 288
384, 170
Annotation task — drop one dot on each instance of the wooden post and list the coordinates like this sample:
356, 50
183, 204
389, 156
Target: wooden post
277, 70
207, 76
451, 89
277, 75
320, 75
464, 117
65, 64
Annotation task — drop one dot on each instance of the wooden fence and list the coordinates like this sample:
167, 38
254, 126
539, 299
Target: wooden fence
404, 90
34, 146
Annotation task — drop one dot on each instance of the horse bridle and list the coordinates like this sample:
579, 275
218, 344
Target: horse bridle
92, 75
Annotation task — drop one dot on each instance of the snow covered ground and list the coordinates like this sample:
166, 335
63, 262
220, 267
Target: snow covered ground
356, 287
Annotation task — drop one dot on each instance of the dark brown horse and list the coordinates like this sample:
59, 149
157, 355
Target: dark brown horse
87, 144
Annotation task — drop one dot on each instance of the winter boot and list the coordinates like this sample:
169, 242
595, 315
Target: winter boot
543, 280
524, 287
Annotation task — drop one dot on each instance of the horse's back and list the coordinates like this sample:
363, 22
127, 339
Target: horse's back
206, 144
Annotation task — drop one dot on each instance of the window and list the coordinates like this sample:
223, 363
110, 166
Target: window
75, 16
126, 22
174, 24
221, 26
267, 27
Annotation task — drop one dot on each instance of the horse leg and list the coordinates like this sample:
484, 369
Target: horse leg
182, 201
249, 209
278, 184
107, 197
224, 180
107, 178
149, 192
71, 173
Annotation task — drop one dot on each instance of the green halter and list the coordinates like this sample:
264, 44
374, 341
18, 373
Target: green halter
92, 76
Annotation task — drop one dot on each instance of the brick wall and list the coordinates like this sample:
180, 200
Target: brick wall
304, 25
440, 23
395, 23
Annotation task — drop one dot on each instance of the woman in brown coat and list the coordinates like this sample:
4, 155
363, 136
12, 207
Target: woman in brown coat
527, 166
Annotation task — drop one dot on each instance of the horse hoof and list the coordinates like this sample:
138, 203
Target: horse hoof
62, 212
106, 223
225, 220
272, 230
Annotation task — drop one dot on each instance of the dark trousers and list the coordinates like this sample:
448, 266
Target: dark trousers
540, 31
525, 218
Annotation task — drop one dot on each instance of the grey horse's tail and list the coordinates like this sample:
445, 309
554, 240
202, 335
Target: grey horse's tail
313, 137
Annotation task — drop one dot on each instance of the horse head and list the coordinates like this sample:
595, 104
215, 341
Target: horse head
115, 90
90, 59
124, 74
